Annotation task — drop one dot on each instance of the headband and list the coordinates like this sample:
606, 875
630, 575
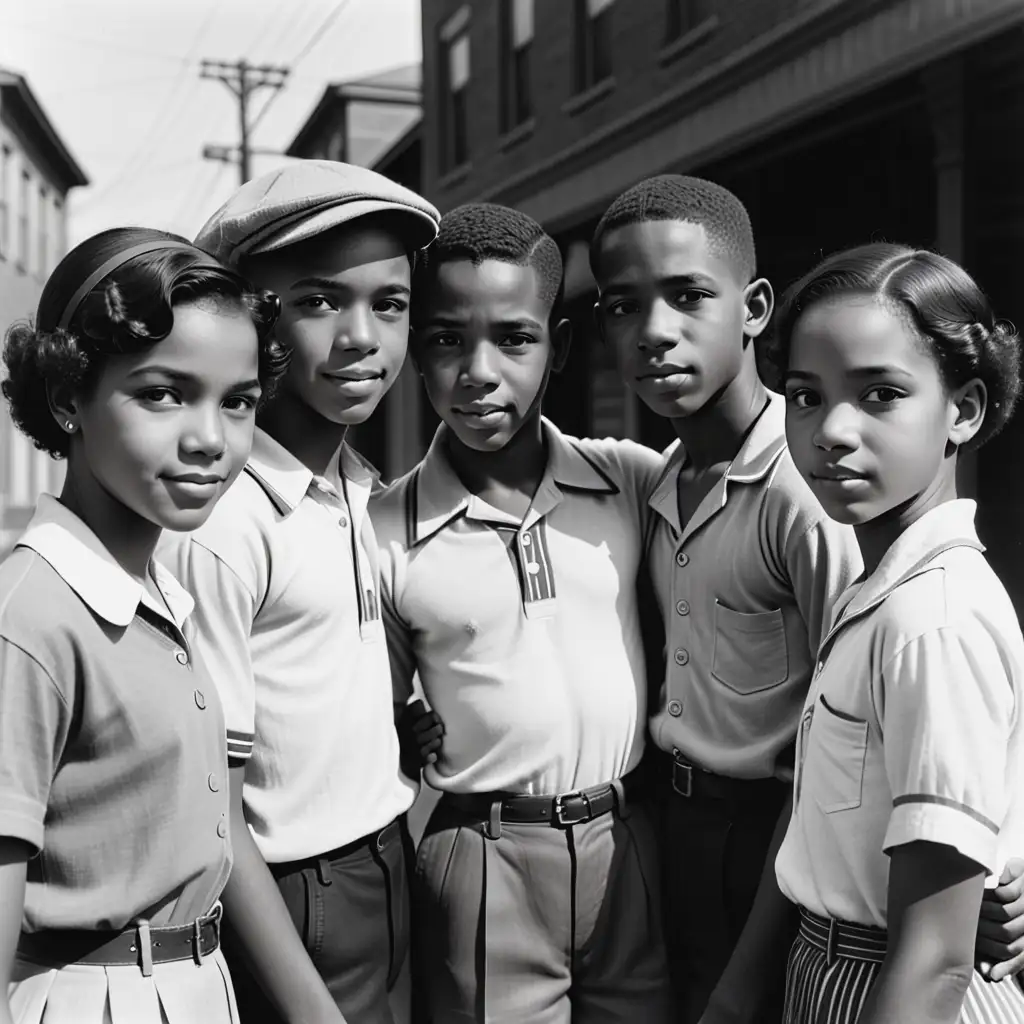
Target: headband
109, 267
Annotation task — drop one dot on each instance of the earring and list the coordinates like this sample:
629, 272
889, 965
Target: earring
69, 426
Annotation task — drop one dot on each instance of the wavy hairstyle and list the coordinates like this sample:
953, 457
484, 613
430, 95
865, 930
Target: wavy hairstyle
937, 298
128, 311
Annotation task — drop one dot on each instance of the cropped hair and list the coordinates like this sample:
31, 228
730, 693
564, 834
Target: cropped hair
693, 200
486, 231
127, 311
937, 298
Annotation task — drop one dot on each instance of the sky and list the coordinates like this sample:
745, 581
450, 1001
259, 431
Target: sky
119, 80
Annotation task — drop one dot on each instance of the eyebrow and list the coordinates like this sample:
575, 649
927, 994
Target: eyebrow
186, 378
524, 323
863, 372
327, 284
674, 280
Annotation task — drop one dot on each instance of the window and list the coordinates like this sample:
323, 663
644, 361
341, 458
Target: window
593, 56
454, 90
681, 16
516, 40
42, 229
23, 236
5, 204
59, 239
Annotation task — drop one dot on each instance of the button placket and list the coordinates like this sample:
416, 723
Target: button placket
679, 630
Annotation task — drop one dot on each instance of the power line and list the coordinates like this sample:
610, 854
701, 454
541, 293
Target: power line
103, 43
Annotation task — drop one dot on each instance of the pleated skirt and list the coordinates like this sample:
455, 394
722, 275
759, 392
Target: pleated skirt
181, 992
821, 993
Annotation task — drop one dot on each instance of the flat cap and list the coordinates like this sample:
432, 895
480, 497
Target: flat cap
305, 199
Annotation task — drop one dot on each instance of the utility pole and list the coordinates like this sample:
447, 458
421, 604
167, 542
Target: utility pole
243, 79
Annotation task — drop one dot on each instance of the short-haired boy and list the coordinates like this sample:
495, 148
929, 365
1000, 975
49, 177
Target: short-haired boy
288, 615
509, 561
746, 567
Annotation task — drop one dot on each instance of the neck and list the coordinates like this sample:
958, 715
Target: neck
128, 537
518, 466
716, 433
314, 441
878, 535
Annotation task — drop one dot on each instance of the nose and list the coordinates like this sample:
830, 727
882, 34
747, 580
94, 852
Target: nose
480, 366
357, 331
205, 434
837, 427
660, 328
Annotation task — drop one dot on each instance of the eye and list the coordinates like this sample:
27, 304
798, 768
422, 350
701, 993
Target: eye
690, 297
241, 403
158, 396
516, 341
884, 395
443, 340
802, 398
390, 306
315, 302
624, 307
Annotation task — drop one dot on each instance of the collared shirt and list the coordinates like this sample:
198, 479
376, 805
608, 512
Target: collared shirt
913, 728
286, 584
745, 587
113, 766
525, 633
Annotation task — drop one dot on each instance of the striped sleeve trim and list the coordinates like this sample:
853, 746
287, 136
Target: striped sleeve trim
239, 745
945, 801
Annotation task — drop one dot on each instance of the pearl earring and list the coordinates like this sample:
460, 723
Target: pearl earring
69, 426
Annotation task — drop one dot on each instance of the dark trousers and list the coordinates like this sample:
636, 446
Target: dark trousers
351, 908
713, 854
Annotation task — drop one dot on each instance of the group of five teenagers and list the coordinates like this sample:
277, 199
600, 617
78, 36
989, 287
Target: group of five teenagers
911, 745
286, 583
144, 369
509, 559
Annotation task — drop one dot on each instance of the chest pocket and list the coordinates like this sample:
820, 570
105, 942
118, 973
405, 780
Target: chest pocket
840, 744
750, 652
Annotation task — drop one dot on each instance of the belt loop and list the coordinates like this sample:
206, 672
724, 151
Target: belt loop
323, 871
145, 948
832, 942
620, 798
492, 827
197, 941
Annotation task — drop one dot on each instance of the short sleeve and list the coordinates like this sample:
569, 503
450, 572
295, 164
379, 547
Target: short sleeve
220, 629
400, 648
34, 723
946, 710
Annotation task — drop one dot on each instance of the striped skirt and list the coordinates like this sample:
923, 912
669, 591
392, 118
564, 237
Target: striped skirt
833, 965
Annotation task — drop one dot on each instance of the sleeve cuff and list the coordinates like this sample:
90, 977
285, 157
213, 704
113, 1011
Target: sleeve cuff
941, 820
239, 745
21, 818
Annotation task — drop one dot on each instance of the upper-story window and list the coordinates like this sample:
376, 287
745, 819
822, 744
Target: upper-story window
24, 253
516, 44
680, 17
593, 51
454, 90
42, 233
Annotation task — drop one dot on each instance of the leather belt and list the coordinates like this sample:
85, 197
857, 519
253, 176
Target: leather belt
695, 783
561, 810
142, 946
843, 939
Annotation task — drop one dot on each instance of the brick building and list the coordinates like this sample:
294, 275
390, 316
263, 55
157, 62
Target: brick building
836, 121
36, 174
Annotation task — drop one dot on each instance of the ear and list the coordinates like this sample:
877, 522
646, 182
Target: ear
561, 340
759, 300
63, 407
968, 405
599, 323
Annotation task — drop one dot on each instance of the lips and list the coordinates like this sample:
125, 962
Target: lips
838, 474
354, 376
200, 479
664, 370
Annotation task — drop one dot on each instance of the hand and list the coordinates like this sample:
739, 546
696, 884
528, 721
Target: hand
999, 950
425, 729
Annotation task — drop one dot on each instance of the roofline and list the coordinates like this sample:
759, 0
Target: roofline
411, 135
65, 162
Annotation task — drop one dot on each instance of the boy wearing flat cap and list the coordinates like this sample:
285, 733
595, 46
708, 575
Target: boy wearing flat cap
286, 584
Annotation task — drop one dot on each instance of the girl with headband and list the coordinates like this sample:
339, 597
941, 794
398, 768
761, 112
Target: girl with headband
144, 370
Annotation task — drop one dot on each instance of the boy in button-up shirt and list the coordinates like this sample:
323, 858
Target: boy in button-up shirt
509, 560
288, 617
746, 567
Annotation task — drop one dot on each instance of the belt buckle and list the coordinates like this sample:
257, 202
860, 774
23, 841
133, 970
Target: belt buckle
682, 771
563, 817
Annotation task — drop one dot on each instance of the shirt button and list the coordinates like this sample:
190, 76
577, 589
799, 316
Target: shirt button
343, 521
222, 828
682, 558
683, 607
526, 540
682, 656
675, 708
200, 700
181, 658
213, 782
532, 568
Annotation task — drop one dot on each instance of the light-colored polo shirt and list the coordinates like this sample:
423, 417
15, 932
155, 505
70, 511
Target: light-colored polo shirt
913, 728
745, 588
525, 633
113, 765
288, 622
